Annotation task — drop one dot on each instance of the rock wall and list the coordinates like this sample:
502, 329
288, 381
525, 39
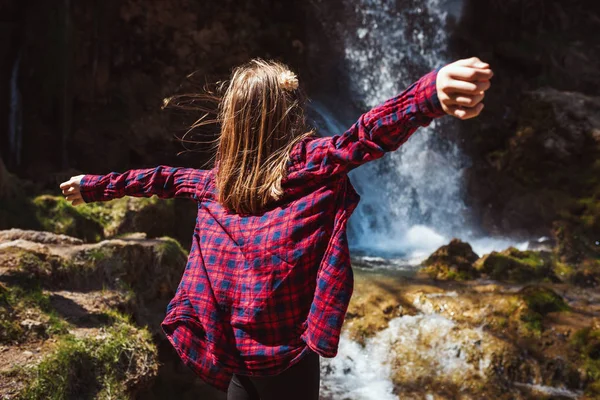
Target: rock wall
546, 61
95, 73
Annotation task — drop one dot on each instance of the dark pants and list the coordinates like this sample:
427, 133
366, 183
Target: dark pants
299, 382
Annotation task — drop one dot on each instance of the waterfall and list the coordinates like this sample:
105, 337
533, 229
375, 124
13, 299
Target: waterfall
411, 200
15, 121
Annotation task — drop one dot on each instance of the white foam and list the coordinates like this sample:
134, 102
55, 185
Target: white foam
427, 349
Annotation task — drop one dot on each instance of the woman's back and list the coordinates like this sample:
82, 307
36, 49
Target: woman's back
268, 279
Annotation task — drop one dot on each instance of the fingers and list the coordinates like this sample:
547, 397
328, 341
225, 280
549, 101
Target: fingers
469, 88
74, 181
73, 196
78, 201
470, 74
472, 62
75, 199
467, 101
465, 113
69, 189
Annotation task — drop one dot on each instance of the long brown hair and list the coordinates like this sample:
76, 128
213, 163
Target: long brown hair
261, 117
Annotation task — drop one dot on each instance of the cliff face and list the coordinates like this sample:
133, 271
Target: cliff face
94, 74
536, 142
535, 149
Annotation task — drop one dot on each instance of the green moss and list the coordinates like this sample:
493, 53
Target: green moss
539, 302
99, 254
55, 214
586, 343
97, 367
563, 270
170, 251
533, 321
31, 296
513, 265
453, 261
153, 216
543, 300
109, 214
10, 330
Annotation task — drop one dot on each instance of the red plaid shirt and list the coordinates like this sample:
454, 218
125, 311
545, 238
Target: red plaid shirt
259, 291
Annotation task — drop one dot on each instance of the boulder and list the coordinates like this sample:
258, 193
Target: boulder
56, 215
151, 268
513, 265
153, 216
452, 261
65, 313
38, 237
96, 221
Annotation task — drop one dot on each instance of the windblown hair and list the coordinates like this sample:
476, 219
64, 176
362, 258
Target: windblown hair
261, 117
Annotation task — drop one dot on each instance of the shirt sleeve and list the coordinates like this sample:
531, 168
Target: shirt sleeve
163, 181
384, 128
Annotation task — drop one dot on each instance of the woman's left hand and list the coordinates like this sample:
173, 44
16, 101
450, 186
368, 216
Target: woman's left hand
461, 87
70, 189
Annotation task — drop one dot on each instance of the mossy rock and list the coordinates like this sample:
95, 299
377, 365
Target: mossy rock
69, 292
149, 267
56, 215
118, 359
95, 221
452, 261
10, 330
587, 274
586, 343
513, 265
539, 302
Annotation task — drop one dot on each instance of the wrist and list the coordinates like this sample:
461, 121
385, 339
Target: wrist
430, 106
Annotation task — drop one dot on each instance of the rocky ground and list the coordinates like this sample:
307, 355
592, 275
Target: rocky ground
81, 309
455, 332
82, 320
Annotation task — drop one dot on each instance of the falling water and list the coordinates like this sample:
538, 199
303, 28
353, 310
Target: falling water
411, 200
15, 122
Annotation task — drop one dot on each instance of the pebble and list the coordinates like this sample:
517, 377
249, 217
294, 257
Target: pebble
27, 353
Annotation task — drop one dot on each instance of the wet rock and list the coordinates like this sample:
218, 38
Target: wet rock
474, 338
375, 301
452, 261
586, 343
539, 302
513, 265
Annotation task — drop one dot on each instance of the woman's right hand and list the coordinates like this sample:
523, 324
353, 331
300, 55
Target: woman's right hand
70, 189
461, 87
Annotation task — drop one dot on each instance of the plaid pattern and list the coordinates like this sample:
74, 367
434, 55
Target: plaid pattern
259, 291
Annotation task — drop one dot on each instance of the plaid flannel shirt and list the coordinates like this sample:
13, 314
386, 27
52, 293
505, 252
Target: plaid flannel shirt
259, 291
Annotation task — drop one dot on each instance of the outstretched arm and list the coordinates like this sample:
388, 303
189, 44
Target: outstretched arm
163, 181
456, 89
